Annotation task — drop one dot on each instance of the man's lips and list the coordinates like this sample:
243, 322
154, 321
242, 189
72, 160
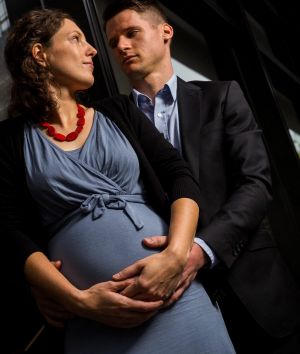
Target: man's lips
128, 58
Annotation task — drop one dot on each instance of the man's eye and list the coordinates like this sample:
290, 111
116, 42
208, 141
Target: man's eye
131, 33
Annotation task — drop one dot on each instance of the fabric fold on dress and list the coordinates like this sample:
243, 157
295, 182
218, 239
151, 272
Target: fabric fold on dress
85, 180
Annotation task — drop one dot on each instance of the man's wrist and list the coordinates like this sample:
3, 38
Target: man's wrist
210, 256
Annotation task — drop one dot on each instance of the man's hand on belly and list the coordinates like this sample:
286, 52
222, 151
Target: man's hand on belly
156, 277
197, 260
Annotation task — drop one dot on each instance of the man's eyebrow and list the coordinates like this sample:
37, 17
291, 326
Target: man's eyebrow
131, 28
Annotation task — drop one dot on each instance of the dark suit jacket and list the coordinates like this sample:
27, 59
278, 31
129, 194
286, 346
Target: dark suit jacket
225, 150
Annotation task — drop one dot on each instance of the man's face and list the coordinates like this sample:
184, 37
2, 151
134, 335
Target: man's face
137, 41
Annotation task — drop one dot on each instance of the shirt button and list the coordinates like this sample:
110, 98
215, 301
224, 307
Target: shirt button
159, 115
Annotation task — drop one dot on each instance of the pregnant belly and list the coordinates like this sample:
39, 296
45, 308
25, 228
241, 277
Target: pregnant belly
92, 250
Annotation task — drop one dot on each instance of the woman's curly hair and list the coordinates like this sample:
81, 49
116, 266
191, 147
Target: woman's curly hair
30, 80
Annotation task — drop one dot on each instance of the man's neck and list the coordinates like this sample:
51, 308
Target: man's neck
151, 84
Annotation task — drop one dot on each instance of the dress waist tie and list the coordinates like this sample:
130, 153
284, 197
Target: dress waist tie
97, 203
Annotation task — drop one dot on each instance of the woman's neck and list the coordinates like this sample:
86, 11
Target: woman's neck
66, 109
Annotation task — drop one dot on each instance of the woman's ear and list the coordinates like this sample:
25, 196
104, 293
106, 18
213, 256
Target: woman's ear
167, 32
38, 54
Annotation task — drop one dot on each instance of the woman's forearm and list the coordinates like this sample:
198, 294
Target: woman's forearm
183, 225
42, 274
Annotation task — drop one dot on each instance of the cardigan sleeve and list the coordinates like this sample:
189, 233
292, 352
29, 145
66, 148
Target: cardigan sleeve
18, 220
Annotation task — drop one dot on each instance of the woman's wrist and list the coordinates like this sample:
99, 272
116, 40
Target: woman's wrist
178, 253
75, 301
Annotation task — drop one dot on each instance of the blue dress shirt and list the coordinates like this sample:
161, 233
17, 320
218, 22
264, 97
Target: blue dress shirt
163, 113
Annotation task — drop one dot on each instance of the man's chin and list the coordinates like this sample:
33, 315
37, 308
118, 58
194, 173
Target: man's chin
131, 71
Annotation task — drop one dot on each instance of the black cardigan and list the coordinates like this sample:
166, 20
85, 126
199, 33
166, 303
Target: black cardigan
165, 175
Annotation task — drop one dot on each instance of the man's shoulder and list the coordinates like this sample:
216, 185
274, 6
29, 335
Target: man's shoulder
215, 88
212, 84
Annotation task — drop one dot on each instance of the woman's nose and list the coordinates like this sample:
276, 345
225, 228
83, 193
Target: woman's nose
91, 50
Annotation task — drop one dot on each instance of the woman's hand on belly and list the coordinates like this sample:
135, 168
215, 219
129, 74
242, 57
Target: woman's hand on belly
104, 303
156, 276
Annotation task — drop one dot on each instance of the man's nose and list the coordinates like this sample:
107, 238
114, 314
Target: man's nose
123, 44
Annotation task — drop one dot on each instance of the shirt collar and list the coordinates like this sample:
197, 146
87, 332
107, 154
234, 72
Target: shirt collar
170, 85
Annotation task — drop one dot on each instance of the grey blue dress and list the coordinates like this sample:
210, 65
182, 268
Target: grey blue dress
95, 206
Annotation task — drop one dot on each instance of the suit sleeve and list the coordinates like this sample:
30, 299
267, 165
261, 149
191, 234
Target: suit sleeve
248, 179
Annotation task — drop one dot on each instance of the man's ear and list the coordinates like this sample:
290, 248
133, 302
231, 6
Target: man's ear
167, 32
39, 54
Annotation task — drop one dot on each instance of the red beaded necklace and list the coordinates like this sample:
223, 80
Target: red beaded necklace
71, 136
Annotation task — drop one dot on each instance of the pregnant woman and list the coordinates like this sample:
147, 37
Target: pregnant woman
86, 185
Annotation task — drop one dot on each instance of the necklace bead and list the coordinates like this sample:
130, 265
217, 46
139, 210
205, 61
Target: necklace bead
71, 136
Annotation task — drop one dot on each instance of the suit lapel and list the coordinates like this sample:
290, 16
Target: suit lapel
189, 103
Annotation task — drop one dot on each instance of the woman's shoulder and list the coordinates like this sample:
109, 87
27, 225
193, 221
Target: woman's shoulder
118, 108
11, 124
11, 131
116, 102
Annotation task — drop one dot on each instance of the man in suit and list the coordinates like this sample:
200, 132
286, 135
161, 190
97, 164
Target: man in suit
213, 127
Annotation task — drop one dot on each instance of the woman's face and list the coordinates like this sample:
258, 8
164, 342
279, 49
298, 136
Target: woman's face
70, 58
